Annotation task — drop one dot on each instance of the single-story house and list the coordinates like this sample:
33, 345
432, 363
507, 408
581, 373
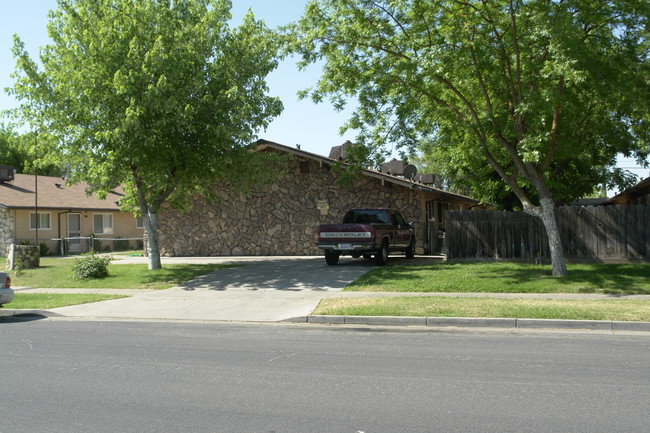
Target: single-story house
282, 218
637, 194
45, 210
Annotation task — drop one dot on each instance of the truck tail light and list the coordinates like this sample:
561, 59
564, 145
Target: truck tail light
8, 283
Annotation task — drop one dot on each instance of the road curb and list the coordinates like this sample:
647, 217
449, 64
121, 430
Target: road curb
434, 322
603, 325
26, 313
631, 326
514, 323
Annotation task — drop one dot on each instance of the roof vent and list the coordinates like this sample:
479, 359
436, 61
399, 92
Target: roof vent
427, 179
7, 173
341, 152
394, 167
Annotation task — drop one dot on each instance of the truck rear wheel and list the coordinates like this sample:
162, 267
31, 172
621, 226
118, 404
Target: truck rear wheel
382, 255
410, 251
331, 257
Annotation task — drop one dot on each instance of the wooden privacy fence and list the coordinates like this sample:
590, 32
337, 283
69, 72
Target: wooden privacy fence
588, 232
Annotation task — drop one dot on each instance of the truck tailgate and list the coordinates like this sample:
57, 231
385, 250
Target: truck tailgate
332, 232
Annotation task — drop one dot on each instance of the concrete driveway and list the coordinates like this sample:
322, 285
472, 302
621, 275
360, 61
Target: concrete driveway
260, 289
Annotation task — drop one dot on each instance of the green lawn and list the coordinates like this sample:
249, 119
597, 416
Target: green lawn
499, 278
619, 310
506, 278
55, 272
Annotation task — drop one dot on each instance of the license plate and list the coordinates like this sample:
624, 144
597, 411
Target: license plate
345, 246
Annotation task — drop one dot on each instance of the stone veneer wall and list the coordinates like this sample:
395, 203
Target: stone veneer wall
28, 255
6, 231
277, 219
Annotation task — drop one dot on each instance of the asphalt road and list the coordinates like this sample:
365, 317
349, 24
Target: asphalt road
92, 376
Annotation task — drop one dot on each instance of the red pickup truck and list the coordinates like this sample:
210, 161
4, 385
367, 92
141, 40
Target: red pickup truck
367, 232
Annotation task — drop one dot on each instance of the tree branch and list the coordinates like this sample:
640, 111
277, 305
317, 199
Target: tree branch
365, 45
509, 179
518, 84
363, 16
464, 100
482, 85
515, 99
553, 142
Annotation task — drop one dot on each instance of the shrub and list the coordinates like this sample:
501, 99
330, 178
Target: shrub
43, 250
121, 245
19, 269
90, 265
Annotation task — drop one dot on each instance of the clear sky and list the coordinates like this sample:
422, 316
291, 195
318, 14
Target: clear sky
314, 126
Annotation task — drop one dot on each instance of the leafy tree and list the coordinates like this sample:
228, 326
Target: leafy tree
543, 93
22, 152
159, 95
9, 154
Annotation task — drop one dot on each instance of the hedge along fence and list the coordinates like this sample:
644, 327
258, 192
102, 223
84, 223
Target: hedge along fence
591, 232
94, 243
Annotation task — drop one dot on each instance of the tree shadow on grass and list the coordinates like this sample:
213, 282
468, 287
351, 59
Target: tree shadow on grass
611, 278
506, 278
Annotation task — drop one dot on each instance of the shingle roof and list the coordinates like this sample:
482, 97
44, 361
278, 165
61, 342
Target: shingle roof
53, 193
262, 144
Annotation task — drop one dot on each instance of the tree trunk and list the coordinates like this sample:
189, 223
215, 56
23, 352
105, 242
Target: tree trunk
547, 214
150, 220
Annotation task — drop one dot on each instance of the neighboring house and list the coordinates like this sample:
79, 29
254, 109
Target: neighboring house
599, 201
282, 218
638, 194
48, 210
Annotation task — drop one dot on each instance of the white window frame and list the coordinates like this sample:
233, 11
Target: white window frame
39, 221
106, 229
139, 222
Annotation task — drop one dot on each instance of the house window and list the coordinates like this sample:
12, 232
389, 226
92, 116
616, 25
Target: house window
139, 223
103, 224
40, 221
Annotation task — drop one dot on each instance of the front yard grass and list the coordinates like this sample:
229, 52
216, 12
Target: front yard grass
498, 277
56, 272
617, 310
506, 278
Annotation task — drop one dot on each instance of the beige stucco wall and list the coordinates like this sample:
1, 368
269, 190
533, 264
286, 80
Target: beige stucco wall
124, 226
282, 218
